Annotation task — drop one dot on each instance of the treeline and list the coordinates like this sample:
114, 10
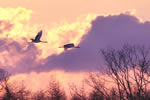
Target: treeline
124, 76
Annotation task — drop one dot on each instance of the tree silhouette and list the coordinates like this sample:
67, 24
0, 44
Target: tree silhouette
78, 92
99, 89
129, 67
55, 92
5, 87
39, 95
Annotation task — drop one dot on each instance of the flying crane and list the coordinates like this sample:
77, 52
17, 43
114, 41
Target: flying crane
70, 45
37, 38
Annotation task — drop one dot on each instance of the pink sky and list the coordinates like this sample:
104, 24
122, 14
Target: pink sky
49, 11
19, 54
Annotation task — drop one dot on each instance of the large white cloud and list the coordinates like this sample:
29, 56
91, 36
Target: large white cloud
106, 31
17, 55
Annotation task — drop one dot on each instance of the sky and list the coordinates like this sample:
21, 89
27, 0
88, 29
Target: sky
91, 24
51, 11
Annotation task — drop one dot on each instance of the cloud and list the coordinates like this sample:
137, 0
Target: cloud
15, 50
91, 33
65, 32
106, 31
18, 55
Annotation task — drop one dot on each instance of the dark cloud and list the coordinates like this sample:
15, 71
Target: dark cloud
27, 54
16, 56
10, 49
110, 31
29, 58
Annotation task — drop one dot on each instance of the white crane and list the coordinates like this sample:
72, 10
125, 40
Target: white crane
37, 38
70, 45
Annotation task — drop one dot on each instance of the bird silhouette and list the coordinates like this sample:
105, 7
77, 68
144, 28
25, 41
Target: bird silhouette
37, 38
70, 45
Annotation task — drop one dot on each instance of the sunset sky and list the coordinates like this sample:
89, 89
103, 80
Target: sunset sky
49, 11
91, 24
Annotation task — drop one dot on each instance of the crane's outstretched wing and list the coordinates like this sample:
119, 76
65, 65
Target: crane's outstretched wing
38, 36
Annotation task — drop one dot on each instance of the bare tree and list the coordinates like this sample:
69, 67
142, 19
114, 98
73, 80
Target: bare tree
21, 92
4, 76
78, 92
129, 67
99, 89
55, 92
5, 86
9, 90
39, 95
